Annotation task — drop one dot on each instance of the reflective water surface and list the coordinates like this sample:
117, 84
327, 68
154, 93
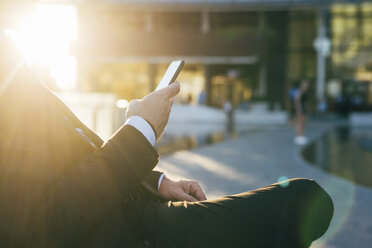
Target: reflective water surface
344, 151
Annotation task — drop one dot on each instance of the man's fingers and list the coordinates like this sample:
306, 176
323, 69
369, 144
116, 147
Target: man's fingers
197, 191
185, 197
171, 90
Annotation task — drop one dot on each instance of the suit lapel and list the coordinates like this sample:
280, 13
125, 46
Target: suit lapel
26, 89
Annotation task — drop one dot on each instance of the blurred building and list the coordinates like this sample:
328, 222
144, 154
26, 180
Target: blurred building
246, 50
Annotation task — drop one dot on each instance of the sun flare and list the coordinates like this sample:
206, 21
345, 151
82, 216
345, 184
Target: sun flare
45, 38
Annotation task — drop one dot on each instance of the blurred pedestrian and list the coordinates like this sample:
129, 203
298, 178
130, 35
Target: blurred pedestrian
189, 99
229, 110
301, 110
202, 98
292, 99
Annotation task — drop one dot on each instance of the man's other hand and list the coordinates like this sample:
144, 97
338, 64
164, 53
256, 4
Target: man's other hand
182, 190
155, 107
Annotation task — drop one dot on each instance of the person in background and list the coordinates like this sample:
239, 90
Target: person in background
301, 111
229, 110
189, 99
202, 98
292, 98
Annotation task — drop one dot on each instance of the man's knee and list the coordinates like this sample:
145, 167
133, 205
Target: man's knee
315, 208
314, 196
304, 183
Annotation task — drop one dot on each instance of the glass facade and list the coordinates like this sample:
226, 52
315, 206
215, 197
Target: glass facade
129, 51
127, 81
301, 53
133, 71
135, 80
351, 58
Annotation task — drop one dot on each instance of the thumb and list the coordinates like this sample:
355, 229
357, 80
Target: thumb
171, 90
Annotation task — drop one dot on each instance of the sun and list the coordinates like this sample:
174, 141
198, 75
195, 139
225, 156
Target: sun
45, 38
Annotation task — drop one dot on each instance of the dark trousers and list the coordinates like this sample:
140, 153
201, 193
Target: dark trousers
291, 214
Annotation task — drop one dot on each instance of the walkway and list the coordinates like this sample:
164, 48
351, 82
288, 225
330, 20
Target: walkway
261, 158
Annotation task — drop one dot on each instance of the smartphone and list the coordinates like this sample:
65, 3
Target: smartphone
171, 74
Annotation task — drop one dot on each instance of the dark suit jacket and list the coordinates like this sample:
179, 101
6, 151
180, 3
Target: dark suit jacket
56, 189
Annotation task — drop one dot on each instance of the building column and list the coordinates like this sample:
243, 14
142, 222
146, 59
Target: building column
322, 47
208, 84
205, 24
262, 84
81, 74
151, 72
149, 23
276, 59
262, 80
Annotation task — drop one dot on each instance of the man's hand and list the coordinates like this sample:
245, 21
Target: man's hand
155, 107
182, 190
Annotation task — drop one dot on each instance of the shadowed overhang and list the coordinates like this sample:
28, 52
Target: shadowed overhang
170, 44
207, 5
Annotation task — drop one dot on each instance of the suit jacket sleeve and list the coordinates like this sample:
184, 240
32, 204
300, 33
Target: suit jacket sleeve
153, 179
88, 200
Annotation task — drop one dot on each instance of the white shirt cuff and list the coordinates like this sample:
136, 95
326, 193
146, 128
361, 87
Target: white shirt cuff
160, 180
144, 127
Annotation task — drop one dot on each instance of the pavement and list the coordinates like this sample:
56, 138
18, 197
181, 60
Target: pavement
192, 126
263, 157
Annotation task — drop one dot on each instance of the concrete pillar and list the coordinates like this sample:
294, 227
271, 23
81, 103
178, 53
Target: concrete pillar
149, 23
262, 82
205, 24
322, 47
262, 79
151, 72
208, 84
276, 59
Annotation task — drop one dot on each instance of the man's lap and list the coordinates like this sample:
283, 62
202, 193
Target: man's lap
278, 215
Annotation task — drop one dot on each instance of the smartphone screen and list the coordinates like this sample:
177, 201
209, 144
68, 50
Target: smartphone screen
171, 74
